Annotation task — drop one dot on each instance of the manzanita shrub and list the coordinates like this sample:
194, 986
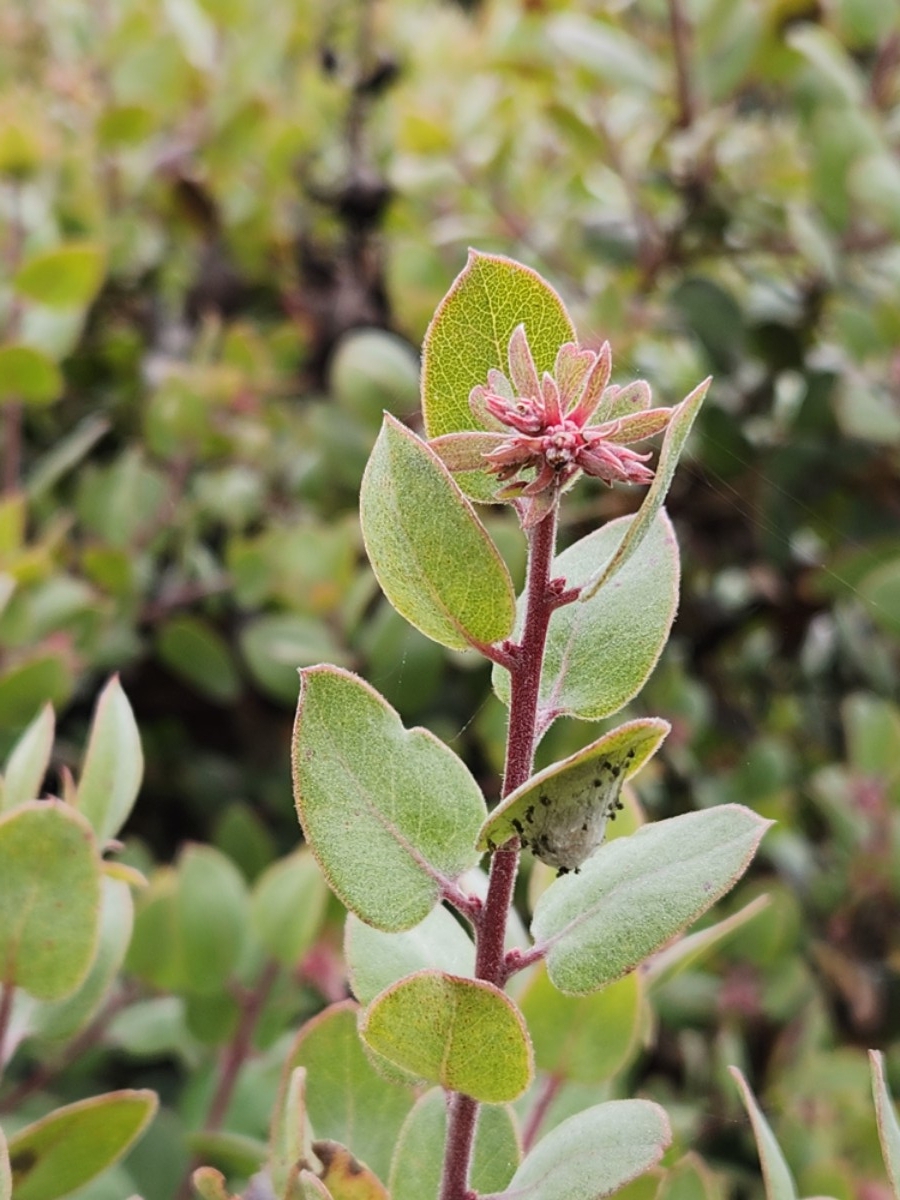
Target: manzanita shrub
450, 991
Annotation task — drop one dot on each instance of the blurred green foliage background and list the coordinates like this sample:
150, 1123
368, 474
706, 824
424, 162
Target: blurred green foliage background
223, 230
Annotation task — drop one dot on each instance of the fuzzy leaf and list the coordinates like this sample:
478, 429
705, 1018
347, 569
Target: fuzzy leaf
592, 1154
779, 1182
288, 906
888, 1127
61, 1020
346, 1099
376, 959
461, 1033
419, 1156
600, 653
583, 1038
49, 899
638, 892
673, 443
113, 764
71, 1146
66, 277
432, 556
469, 335
391, 814
561, 813
28, 761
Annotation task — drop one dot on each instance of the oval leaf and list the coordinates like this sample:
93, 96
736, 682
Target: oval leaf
419, 1157
391, 814
68, 276
624, 628
593, 1153
469, 335
28, 376
346, 1099
376, 959
49, 899
677, 432
461, 1033
28, 761
777, 1176
211, 914
888, 1127
288, 905
433, 558
113, 764
638, 892
561, 813
72, 1145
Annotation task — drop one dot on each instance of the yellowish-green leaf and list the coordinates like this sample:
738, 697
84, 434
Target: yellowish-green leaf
71, 1146
461, 1033
345, 1176
28, 376
49, 899
113, 764
434, 559
28, 761
68, 276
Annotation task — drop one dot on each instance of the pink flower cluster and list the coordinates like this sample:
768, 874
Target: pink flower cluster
541, 426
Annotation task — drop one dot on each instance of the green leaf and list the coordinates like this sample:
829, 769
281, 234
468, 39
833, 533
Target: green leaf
289, 1137
211, 918
777, 1177
461, 1033
274, 645
880, 590
63, 1019
608, 52
28, 376
592, 1154
288, 905
684, 953
347, 1100
113, 764
638, 892
28, 761
49, 899
376, 959
233, 1153
561, 813
888, 1127
434, 559
69, 276
673, 443
600, 652
689, 1179
584, 1038
390, 814
419, 1156
5, 1171
47, 677
194, 652
824, 52
72, 1145
469, 335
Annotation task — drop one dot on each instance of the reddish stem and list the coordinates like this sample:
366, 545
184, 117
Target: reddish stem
490, 960
536, 1117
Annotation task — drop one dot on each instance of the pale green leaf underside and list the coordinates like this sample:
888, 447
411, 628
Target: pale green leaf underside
592, 1154
779, 1182
49, 899
376, 959
432, 556
418, 1159
673, 443
28, 761
72, 1145
391, 814
113, 765
347, 1100
638, 892
464, 1034
888, 1127
469, 335
553, 807
600, 653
